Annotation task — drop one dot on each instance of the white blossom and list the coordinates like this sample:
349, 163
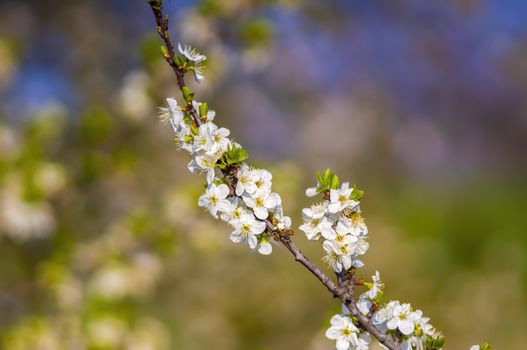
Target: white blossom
198, 75
211, 139
401, 318
316, 224
262, 203
262, 182
340, 199
191, 54
376, 286
246, 229
344, 332
246, 178
204, 163
171, 113
337, 256
185, 138
342, 235
236, 211
282, 222
214, 199
196, 58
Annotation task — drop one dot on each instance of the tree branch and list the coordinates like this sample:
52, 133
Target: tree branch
345, 289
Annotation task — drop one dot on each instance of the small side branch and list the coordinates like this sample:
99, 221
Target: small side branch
308, 264
162, 30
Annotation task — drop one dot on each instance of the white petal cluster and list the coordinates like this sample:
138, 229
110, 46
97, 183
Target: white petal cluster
401, 318
251, 205
394, 318
197, 59
338, 221
346, 334
206, 144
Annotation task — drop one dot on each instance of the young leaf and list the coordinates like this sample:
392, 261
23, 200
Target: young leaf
187, 94
203, 109
435, 343
177, 61
357, 194
164, 51
333, 181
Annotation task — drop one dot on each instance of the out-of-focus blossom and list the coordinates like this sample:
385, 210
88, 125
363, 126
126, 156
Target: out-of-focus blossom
22, 220
133, 97
50, 178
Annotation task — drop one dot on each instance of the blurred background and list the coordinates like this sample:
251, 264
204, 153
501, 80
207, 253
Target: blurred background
421, 104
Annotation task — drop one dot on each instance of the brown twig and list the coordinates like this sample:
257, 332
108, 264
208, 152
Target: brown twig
345, 289
162, 30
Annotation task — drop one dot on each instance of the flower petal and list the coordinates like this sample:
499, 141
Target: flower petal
311, 192
222, 191
265, 248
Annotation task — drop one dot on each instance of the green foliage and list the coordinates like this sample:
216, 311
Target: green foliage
435, 343
326, 181
188, 95
178, 61
357, 194
234, 155
485, 346
164, 51
203, 109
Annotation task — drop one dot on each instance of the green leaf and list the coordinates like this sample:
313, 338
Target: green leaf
333, 181
194, 129
357, 194
326, 180
319, 178
177, 61
485, 346
187, 94
203, 109
164, 51
234, 155
435, 343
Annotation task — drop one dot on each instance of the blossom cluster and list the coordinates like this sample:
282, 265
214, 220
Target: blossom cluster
338, 221
246, 203
393, 318
242, 196
414, 328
